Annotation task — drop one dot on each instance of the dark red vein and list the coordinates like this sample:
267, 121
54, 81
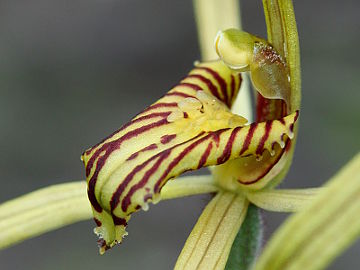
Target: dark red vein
212, 88
263, 139
227, 150
220, 81
248, 138
109, 148
205, 155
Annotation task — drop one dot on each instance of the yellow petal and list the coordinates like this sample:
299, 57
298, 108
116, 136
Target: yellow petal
189, 128
209, 243
128, 169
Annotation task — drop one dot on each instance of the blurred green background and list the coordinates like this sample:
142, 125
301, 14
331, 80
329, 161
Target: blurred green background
74, 71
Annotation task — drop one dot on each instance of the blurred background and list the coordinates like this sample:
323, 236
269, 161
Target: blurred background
74, 71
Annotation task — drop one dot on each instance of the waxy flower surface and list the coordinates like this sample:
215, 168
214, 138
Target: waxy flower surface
188, 128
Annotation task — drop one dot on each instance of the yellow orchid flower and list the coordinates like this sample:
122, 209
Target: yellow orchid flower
193, 126
189, 128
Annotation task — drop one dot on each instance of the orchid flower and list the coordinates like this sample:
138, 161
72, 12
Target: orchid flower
190, 127
194, 125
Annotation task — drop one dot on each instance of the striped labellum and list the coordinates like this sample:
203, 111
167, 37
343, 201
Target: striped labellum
188, 128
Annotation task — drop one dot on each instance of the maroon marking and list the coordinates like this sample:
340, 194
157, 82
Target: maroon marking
273, 145
216, 137
232, 88
282, 121
119, 221
167, 138
212, 88
295, 118
269, 109
109, 148
147, 148
187, 150
266, 171
102, 244
127, 199
98, 222
248, 138
186, 115
147, 197
205, 155
179, 94
145, 117
220, 80
116, 195
126, 136
240, 79
263, 139
160, 105
227, 150
192, 86
91, 195
296, 115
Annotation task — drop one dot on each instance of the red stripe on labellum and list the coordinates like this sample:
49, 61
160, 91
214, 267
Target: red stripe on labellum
192, 86
119, 221
214, 135
179, 94
212, 88
295, 118
167, 138
220, 80
260, 147
161, 105
147, 148
116, 195
127, 199
98, 222
205, 155
109, 148
267, 170
127, 136
227, 150
142, 118
248, 138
